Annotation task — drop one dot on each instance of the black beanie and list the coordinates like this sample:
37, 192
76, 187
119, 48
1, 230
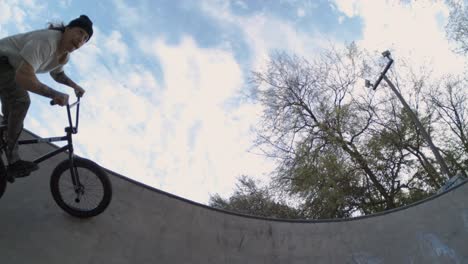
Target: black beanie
83, 22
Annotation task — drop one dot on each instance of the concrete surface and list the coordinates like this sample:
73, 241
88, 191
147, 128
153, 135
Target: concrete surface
145, 225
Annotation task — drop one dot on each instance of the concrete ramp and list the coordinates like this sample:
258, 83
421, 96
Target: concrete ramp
146, 225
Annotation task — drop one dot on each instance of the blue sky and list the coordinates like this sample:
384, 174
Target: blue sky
165, 79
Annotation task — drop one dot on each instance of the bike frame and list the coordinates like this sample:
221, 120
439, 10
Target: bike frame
70, 130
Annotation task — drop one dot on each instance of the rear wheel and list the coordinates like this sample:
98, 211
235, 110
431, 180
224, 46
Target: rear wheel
89, 197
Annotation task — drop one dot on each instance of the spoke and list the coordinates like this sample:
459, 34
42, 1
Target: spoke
93, 191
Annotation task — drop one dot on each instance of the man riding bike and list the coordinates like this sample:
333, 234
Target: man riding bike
24, 55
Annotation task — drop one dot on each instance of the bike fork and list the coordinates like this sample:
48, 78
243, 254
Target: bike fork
78, 187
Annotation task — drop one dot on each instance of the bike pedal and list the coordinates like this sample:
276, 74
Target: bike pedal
11, 176
23, 174
10, 179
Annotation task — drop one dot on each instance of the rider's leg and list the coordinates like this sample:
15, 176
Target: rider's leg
6, 83
18, 108
15, 105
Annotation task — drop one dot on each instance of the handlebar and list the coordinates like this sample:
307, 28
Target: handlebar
69, 105
74, 129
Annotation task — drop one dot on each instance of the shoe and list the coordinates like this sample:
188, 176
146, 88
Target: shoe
21, 168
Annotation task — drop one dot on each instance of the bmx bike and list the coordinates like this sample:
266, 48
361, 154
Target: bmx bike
79, 186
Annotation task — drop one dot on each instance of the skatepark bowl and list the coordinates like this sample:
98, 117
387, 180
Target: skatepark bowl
146, 225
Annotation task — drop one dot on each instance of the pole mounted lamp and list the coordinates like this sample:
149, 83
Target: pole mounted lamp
383, 76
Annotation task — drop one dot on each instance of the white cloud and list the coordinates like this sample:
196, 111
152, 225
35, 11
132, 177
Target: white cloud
301, 12
197, 83
116, 46
128, 15
341, 19
14, 12
5, 12
411, 31
348, 7
265, 34
10, 12
65, 3
241, 4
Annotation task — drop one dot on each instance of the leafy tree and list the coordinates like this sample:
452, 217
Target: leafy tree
312, 103
251, 199
324, 180
340, 149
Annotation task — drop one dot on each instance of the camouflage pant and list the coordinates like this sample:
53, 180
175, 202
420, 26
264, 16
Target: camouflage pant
15, 105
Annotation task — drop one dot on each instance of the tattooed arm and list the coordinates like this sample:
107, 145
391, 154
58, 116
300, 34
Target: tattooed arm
26, 79
62, 78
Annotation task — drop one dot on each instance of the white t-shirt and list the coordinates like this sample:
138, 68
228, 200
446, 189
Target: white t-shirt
38, 48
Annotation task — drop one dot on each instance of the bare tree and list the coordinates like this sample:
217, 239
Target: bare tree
450, 105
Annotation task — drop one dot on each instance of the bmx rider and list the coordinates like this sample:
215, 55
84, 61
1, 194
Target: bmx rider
24, 55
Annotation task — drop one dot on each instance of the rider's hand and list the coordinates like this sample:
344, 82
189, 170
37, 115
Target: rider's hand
61, 99
79, 91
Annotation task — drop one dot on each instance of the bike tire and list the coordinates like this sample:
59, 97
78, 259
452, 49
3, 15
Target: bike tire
87, 171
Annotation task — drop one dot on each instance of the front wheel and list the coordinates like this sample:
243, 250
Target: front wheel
89, 196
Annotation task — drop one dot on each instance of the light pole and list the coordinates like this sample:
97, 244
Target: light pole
440, 160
